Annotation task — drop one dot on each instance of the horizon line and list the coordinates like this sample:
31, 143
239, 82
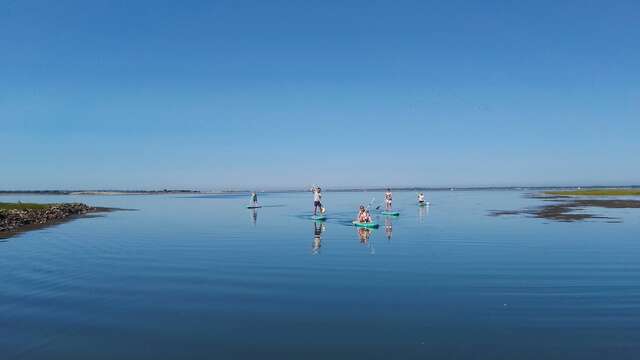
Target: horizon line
327, 188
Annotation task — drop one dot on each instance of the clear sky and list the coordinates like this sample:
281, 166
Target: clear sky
237, 94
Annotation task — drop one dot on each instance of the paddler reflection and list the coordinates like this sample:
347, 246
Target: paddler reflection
254, 216
423, 211
388, 227
364, 234
318, 229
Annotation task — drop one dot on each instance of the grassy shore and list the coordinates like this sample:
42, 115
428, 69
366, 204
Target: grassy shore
596, 192
23, 206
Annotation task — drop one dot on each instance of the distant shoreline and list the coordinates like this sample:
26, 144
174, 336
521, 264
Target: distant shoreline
326, 189
97, 192
597, 192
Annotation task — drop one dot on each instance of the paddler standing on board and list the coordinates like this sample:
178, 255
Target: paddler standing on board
388, 198
317, 198
254, 198
421, 199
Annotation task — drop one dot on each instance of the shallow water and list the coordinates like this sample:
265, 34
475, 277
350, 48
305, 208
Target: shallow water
203, 277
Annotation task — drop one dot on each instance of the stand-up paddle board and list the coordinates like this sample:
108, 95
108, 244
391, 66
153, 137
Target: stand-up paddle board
254, 206
365, 225
390, 213
318, 217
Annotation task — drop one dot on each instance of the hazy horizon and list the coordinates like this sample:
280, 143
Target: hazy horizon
325, 187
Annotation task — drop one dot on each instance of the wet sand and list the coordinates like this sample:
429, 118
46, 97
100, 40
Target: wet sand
564, 208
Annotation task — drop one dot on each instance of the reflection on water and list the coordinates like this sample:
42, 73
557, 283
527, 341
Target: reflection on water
388, 227
254, 216
318, 229
423, 211
364, 234
106, 288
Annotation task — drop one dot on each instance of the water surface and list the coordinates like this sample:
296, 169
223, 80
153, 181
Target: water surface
202, 277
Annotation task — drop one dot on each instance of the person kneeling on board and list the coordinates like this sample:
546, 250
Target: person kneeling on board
363, 215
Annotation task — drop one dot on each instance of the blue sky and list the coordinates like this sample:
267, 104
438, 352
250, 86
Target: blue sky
270, 94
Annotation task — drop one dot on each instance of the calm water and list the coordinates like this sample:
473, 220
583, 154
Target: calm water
204, 278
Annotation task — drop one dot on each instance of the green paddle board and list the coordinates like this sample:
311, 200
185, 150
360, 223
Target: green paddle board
318, 217
254, 206
366, 225
423, 204
392, 213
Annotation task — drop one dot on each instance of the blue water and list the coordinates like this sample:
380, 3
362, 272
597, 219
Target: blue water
204, 278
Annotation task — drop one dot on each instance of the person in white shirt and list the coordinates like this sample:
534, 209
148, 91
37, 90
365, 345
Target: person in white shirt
317, 198
388, 199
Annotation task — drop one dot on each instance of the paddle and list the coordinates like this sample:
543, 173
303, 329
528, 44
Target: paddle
379, 206
371, 202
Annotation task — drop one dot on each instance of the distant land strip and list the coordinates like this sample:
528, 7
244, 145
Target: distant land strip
97, 192
597, 192
561, 190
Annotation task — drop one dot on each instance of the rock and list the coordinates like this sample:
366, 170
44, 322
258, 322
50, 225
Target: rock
13, 219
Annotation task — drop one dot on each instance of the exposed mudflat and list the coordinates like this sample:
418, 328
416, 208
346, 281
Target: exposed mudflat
564, 208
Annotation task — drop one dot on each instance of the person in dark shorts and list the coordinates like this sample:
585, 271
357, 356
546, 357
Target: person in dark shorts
317, 198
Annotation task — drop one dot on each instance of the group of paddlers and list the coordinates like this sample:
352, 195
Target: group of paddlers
364, 216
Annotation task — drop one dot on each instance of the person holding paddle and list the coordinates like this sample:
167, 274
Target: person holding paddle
363, 215
317, 198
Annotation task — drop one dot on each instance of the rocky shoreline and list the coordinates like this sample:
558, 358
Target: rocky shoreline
19, 217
